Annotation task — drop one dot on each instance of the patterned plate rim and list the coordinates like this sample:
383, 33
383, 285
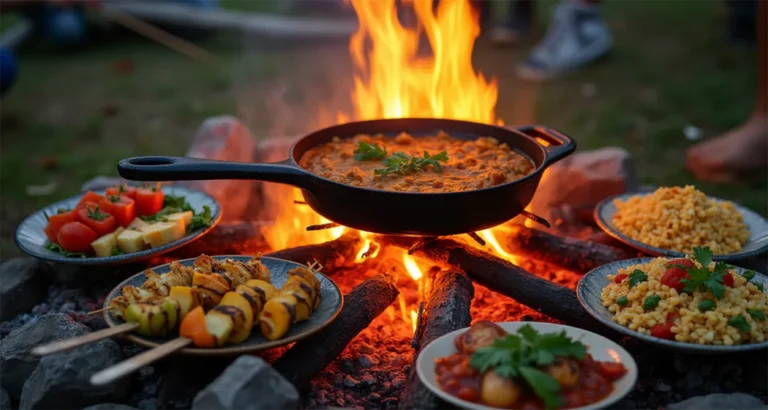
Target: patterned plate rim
689, 347
227, 350
608, 228
51, 256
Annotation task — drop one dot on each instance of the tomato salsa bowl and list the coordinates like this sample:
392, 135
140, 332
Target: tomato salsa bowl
84, 229
510, 365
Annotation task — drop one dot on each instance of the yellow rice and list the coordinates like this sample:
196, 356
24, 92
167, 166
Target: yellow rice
692, 325
680, 219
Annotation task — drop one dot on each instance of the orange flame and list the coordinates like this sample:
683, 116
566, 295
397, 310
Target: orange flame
398, 83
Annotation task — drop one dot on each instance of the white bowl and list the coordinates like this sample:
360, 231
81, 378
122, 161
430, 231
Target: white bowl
600, 348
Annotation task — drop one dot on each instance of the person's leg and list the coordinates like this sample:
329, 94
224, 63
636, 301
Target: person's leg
742, 152
577, 36
7, 69
513, 20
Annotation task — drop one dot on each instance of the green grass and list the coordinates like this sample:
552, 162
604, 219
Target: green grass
671, 67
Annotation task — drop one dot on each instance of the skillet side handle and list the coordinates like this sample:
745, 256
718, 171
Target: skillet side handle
560, 145
160, 168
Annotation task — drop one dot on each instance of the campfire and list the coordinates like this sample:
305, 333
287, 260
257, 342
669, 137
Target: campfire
401, 292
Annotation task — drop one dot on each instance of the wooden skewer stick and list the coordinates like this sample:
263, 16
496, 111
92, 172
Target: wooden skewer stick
63, 345
129, 366
163, 37
96, 312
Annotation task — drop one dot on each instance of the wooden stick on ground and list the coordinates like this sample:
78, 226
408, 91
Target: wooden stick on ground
498, 275
570, 253
309, 356
446, 310
161, 36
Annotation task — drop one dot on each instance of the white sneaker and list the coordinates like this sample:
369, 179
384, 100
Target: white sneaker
576, 36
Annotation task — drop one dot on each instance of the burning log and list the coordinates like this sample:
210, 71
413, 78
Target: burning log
361, 305
500, 276
332, 254
446, 310
569, 253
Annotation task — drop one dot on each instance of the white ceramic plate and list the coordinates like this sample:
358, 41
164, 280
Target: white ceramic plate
600, 348
757, 225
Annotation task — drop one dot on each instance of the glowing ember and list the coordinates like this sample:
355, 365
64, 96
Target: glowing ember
396, 83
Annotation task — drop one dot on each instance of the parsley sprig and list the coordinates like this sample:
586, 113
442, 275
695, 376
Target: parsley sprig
519, 355
366, 152
702, 277
402, 164
637, 276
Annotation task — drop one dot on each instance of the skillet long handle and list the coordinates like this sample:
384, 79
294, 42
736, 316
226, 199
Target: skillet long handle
185, 169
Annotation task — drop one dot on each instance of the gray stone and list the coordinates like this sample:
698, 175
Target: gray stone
584, 179
248, 383
720, 401
224, 138
110, 406
23, 284
16, 364
62, 381
5, 400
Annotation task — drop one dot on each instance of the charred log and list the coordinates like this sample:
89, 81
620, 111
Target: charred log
332, 254
361, 305
446, 310
498, 275
569, 253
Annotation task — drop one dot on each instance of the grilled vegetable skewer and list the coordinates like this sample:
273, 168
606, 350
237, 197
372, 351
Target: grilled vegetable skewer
295, 302
232, 319
157, 320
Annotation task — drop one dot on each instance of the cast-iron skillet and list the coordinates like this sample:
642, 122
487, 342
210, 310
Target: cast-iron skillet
376, 210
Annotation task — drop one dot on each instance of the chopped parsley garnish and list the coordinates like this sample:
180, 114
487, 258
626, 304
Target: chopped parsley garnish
366, 152
519, 355
739, 322
757, 314
651, 302
622, 301
402, 164
702, 277
748, 275
58, 249
706, 305
116, 251
759, 286
636, 277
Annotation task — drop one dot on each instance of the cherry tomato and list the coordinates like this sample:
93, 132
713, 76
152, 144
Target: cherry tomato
620, 277
671, 316
122, 190
612, 370
728, 280
95, 218
682, 261
89, 196
149, 201
76, 237
55, 222
663, 331
673, 276
121, 207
